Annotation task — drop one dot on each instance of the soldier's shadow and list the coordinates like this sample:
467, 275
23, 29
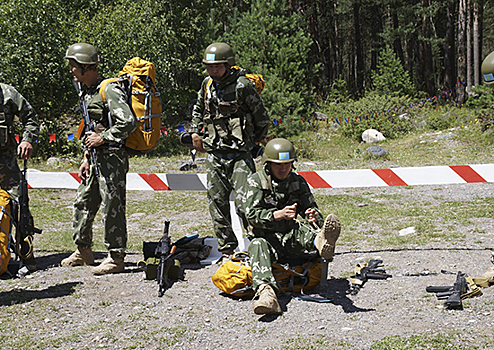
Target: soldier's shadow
338, 289
334, 292
21, 296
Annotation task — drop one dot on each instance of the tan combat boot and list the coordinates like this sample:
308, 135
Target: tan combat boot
81, 257
326, 238
489, 275
267, 302
109, 265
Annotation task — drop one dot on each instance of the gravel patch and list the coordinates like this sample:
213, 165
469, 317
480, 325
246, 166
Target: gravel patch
69, 308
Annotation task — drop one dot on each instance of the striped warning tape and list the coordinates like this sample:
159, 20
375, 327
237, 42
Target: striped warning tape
431, 175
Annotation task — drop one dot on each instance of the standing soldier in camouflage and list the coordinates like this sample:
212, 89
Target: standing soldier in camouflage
227, 120
12, 104
103, 183
275, 196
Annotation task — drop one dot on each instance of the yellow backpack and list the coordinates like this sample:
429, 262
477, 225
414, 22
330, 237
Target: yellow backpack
5, 227
257, 79
138, 78
234, 277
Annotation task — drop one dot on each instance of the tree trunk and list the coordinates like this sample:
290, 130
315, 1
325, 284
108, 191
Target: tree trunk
449, 47
397, 41
461, 55
476, 52
359, 55
469, 47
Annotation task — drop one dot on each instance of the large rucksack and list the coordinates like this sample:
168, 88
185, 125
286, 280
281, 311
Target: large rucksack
138, 78
234, 276
256, 79
5, 230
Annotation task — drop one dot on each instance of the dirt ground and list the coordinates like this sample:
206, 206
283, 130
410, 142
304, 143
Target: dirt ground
69, 308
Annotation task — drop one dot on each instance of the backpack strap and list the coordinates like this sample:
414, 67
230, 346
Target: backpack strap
1, 99
206, 90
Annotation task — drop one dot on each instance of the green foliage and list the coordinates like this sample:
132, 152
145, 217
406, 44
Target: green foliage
390, 76
169, 145
33, 41
482, 101
381, 112
44, 148
271, 41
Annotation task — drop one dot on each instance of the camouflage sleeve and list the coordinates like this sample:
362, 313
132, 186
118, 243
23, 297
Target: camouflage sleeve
255, 212
255, 105
307, 201
197, 122
26, 113
123, 118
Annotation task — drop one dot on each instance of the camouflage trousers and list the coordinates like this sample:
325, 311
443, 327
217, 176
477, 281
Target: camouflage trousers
9, 173
227, 171
263, 251
107, 191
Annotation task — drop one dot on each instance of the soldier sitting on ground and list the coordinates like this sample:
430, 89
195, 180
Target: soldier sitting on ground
275, 196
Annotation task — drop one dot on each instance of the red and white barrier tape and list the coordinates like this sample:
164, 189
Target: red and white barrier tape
432, 175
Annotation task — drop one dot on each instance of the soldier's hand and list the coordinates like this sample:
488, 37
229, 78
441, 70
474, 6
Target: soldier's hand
266, 140
93, 139
197, 143
287, 213
311, 215
84, 170
24, 150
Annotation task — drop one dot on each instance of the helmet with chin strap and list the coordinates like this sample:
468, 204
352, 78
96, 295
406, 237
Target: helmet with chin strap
279, 151
219, 53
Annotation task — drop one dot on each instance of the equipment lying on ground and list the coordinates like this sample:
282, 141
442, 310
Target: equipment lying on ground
373, 270
186, 139
464, 287
234, 277
163, 259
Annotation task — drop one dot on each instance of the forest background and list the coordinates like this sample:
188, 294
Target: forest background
350, 63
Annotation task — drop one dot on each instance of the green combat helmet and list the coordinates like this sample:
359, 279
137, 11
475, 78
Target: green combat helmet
279, 151
82, 53
488, 69
219, 53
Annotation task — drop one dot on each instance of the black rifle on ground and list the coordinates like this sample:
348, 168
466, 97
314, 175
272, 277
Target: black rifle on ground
164, 251
88, 125
25, 229
452, 294
373, 270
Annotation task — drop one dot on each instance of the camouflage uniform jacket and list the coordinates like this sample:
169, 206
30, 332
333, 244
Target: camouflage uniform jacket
265, 195
114, 118
229, 115
14, 104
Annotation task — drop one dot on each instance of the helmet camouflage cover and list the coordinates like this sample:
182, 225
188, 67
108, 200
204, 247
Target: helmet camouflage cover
279, 151
219, 53
82, 53
488, 69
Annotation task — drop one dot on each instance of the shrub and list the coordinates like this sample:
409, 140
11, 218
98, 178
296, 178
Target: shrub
384, 113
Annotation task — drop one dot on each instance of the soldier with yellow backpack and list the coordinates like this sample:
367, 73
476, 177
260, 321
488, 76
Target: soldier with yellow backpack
104, 164
228, 119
